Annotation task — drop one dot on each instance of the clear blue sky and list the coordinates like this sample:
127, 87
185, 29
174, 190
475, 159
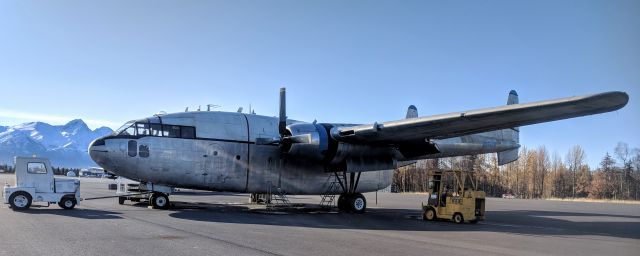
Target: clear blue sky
342, 61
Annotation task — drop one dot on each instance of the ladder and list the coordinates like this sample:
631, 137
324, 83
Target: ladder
329, 195
278, 199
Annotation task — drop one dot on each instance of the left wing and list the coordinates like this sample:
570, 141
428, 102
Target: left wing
420, 129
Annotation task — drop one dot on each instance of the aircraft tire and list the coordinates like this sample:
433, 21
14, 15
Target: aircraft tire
160, 201
357, 203
342, 202
121, 200
20, 200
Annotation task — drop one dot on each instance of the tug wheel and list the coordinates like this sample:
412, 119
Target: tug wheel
67, 203
20, 200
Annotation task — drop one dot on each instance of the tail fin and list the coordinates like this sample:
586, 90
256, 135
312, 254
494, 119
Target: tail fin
412, 112
510, 135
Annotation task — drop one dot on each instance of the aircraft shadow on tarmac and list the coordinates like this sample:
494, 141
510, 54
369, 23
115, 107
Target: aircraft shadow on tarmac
522, 222
75, 213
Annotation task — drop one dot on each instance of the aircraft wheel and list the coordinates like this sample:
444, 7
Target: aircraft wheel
429, 214
342, 202
67, 203
457, 218
121, 200
20, 200
357, 203
160, 201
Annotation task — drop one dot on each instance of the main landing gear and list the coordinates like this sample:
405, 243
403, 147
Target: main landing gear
349, 200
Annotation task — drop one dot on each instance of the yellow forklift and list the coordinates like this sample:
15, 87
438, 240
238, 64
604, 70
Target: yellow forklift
454, 195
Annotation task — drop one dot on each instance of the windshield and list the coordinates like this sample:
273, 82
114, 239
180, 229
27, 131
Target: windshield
123, 129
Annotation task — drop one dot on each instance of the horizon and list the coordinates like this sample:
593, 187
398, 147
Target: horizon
341, 62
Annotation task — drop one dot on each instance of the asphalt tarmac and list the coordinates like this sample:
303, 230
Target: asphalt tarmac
208, 223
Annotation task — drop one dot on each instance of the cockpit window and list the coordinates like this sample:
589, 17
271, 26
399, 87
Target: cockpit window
125, 127
173, 131
156, 130
143, 129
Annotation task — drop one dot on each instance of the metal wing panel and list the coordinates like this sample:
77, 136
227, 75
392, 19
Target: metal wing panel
416, 130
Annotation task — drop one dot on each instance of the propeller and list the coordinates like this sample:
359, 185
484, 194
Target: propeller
282, 125
286, 138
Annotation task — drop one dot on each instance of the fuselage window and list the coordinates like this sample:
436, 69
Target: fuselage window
172, 131
133, 148
143, 129
188, 132
144, 151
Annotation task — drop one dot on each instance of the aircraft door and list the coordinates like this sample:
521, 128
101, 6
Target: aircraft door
214, 166
224, 167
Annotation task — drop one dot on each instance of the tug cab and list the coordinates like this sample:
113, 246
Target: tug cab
454, 196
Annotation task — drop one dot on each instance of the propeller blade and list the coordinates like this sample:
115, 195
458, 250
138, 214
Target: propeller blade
282, 125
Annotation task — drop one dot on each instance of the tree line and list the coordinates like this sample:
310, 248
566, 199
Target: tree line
537, 174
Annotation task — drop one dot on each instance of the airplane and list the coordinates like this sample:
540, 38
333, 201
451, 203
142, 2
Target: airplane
249, 153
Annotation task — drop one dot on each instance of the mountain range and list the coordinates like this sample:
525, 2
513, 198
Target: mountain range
65, 145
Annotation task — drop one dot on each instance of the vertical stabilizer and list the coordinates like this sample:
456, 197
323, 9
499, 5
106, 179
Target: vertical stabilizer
511, 135
412, 112
513, 98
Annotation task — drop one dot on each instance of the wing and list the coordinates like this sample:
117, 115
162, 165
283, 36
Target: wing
417, 130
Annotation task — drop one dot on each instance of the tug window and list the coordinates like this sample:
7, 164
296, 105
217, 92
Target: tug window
36, 168
188, 132
133, 148
143, 151
172, 131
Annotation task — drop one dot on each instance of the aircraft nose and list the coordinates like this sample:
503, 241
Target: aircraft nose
98, 150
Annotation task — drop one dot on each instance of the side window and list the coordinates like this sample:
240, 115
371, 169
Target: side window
143, 129
188, 132
36, 168
172, 131
143, 151
133, 148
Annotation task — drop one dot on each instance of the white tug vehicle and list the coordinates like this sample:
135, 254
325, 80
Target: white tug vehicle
34, 182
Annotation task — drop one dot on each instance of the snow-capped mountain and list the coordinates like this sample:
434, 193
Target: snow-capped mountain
65, 145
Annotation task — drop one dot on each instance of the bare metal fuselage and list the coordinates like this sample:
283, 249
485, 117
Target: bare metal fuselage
224, 156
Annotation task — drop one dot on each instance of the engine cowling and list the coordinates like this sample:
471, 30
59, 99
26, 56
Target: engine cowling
312, 142
315, 145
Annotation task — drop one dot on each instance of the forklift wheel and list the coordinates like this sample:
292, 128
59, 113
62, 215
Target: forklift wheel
429, 214
67, 203
121, 200
457, 218
20, 200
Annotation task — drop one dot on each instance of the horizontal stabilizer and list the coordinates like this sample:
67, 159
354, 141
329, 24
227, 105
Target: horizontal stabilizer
508, 156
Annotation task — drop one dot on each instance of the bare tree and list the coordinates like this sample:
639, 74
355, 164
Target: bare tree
575, 159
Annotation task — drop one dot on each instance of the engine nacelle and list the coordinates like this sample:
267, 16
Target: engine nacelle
316, 145
312, 142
